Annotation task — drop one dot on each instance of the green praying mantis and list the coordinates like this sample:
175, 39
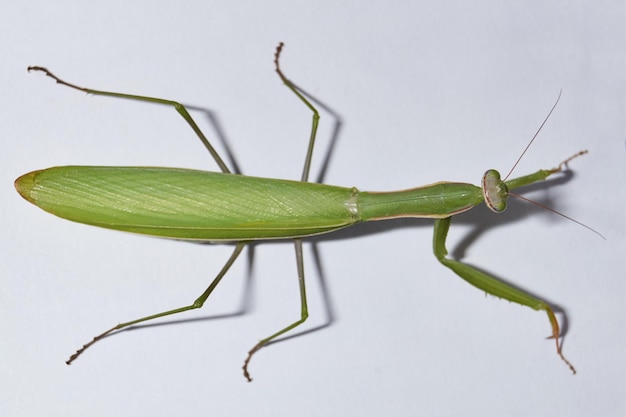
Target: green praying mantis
224, 207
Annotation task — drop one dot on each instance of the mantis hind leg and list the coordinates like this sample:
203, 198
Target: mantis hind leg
198, 303
181, 109
490, 284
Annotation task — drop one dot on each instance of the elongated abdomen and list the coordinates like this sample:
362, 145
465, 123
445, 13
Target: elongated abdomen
188, 204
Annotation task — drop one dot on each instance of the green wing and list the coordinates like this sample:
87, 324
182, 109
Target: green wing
188, 204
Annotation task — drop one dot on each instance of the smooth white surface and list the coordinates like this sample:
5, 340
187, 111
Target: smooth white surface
427, 93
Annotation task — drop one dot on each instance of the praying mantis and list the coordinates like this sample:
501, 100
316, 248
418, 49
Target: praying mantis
224, 207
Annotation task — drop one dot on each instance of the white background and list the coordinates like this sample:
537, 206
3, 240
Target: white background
427, 92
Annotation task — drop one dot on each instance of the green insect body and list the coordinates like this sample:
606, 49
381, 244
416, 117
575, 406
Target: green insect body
210, 206
224, 207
